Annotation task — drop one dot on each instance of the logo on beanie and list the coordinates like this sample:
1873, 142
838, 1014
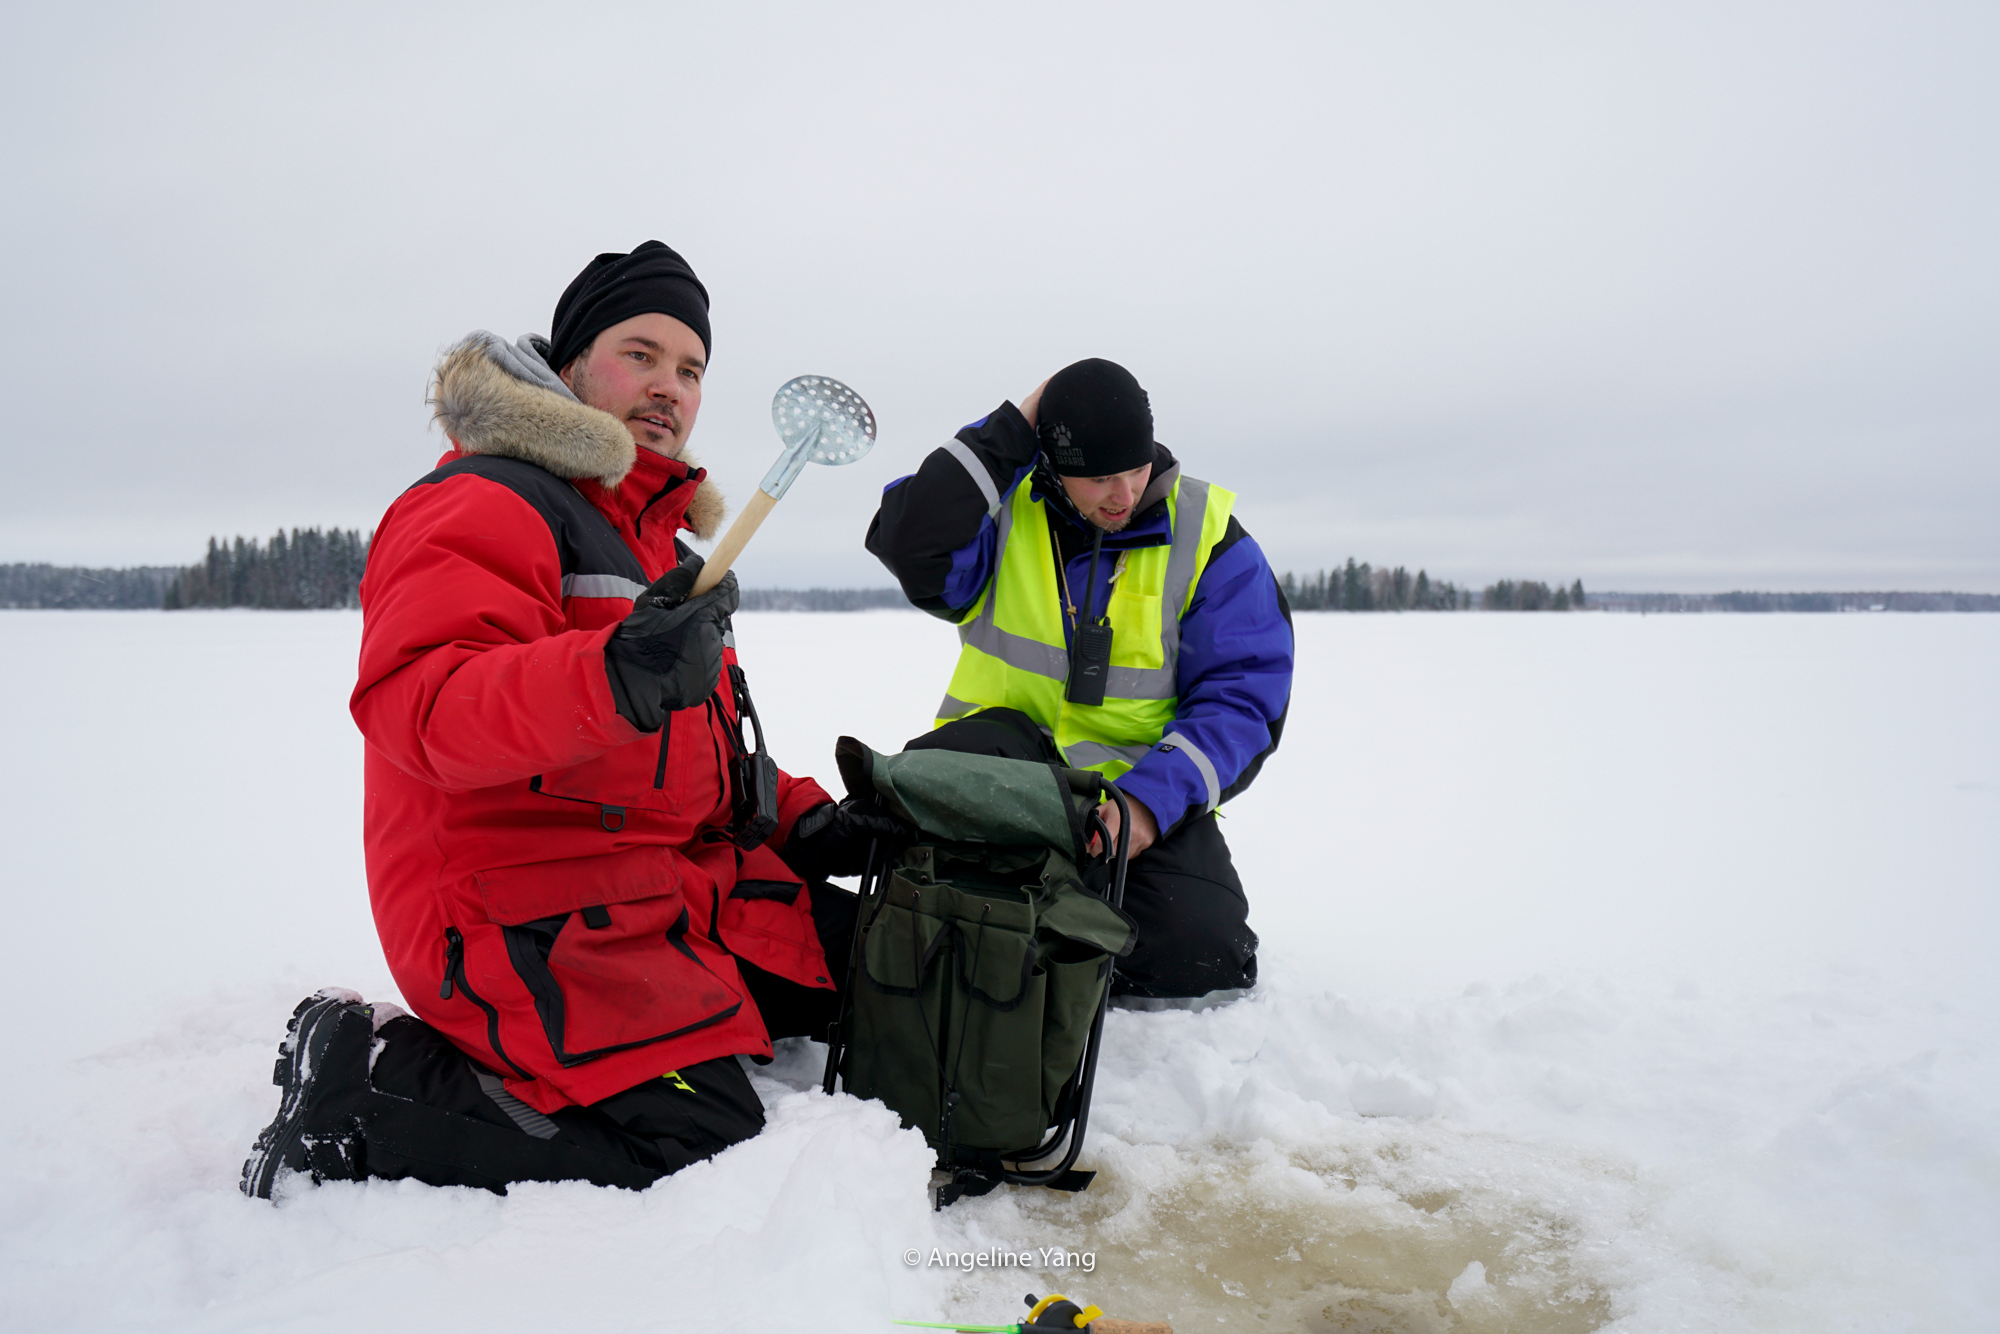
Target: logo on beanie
1063, 449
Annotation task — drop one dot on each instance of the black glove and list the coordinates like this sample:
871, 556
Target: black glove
833, 840
668, 653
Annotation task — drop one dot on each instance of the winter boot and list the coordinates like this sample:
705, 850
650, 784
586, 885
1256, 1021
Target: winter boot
323, 1070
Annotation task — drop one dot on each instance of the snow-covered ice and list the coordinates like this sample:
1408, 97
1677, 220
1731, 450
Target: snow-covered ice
1620, 972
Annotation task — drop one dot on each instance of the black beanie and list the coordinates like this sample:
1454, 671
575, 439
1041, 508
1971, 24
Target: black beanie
651, 280
1094, 420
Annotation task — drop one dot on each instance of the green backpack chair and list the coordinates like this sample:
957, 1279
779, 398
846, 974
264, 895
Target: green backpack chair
982, 963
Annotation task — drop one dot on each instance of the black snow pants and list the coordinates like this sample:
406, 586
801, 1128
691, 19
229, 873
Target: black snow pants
1183, 892
450, 1122
458, 1126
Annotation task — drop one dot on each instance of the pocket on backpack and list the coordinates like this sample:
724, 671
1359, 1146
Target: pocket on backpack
1069, 1008
899, 949
995, 965
899, 1006
994, 1059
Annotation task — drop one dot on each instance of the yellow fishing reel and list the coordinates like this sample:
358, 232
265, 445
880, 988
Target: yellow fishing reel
1056, 1311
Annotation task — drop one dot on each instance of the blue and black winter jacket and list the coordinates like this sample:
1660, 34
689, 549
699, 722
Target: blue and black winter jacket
936, 533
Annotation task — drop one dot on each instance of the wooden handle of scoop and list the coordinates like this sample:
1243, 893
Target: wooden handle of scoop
732, 543
1101, 1326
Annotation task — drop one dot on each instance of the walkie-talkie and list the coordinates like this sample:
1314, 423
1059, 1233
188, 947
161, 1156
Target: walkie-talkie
1089, 664
1090, 653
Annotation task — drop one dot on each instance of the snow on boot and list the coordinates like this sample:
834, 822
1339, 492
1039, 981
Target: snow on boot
323, 1070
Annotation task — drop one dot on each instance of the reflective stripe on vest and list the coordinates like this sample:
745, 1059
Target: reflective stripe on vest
1012, 646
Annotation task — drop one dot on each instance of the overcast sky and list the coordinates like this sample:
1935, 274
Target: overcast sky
1659, 296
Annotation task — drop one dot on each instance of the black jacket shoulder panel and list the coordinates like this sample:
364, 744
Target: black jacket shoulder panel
1231, 535
586, 543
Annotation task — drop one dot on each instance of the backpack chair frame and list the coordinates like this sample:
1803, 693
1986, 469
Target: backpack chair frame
982, 961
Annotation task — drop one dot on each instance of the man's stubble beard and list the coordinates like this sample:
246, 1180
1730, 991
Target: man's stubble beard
579, 384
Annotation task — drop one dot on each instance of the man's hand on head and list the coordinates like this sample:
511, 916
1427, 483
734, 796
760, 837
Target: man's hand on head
1145, 829
1032, 404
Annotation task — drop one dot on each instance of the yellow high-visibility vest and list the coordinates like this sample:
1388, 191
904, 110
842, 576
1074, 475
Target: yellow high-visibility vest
1012, 652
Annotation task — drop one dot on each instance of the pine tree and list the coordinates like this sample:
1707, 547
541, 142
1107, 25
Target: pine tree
306, 568
1356, 593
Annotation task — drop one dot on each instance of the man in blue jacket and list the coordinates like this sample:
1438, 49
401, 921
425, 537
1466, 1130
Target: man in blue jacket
1112, 612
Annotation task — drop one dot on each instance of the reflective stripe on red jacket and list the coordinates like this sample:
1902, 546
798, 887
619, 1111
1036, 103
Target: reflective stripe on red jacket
552, 890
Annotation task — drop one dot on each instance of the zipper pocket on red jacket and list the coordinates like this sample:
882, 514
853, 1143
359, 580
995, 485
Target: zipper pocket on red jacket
454, 973
526, 946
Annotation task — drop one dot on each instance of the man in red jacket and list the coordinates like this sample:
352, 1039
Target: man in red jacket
593, 892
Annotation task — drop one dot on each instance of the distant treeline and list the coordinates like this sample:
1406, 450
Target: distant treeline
1356, 586
1811, 602
823, 599
315, 569
69, 588
303, 569
1527, 595
309, 570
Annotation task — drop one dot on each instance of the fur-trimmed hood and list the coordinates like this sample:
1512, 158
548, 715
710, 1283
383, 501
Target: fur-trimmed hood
500, 398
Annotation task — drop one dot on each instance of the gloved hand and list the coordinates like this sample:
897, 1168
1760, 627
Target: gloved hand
833, 839
668, 653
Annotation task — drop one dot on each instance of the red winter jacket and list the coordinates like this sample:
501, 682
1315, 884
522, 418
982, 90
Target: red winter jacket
553, 892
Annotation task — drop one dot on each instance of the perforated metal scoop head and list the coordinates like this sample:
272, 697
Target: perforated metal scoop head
846, 425
820, 420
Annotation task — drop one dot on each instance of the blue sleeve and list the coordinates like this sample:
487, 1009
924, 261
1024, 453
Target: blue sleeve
972, 566
1235, 682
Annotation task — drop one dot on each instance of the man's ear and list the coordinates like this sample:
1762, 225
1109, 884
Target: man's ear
572, 370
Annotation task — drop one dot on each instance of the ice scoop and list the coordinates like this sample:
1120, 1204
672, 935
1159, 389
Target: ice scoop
820, 420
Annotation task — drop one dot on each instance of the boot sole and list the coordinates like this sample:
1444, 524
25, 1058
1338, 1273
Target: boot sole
282, 1143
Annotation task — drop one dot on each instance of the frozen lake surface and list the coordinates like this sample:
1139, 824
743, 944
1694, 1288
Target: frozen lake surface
1619, 972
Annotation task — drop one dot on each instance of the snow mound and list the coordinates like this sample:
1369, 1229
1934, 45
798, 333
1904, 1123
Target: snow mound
1247, 1172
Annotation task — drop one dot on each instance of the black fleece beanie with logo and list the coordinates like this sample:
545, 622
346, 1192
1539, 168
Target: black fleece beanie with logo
653, 279
1094, 420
